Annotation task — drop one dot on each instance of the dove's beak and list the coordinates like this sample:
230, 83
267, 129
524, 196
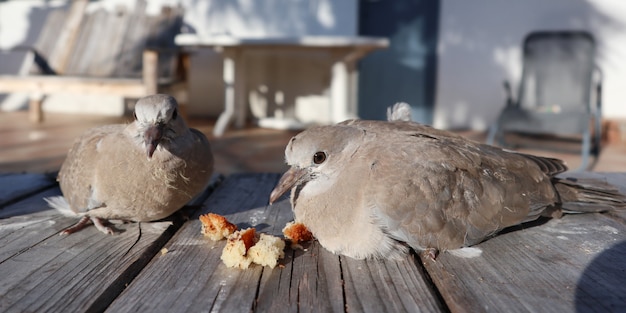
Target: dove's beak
289, 179
152, 138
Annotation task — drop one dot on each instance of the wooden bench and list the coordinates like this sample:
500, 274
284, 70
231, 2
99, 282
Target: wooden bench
126, 52
572, 264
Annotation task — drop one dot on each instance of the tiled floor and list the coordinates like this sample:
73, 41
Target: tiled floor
27, 147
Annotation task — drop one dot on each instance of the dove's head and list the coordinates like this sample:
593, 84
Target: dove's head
158, 121
316, 157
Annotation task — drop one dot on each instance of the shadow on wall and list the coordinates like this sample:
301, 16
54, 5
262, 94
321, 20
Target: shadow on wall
480, 47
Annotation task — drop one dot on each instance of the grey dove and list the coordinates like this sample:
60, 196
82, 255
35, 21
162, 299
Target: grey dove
140, 172
372, 189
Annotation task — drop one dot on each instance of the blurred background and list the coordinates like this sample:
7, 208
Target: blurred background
446, 58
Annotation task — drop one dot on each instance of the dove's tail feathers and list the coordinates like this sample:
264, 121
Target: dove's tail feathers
550, 166
586, 195
60, 204
400, 111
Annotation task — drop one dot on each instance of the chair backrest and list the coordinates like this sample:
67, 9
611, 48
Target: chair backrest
557, 71
109, 43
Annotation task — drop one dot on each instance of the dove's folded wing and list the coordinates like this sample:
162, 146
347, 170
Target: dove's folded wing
439, 190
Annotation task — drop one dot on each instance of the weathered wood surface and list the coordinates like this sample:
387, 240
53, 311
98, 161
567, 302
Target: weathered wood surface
572, 264
190, 276
42, 271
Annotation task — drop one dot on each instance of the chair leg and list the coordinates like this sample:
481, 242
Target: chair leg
491, 136
585, 151
35, 110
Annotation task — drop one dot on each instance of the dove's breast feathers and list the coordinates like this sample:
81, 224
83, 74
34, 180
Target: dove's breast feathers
108, 168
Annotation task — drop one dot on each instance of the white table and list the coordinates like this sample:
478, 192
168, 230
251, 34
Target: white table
345, 52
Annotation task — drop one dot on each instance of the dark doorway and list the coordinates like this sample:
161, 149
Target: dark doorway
406, 71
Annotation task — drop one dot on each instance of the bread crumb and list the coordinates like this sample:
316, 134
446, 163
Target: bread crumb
216, 227
164, 251
245, 247
267, 250
296, 233
235, 253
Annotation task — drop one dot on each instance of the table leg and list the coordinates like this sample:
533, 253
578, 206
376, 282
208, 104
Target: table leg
229, 94
241, 101
234, 92
341, 90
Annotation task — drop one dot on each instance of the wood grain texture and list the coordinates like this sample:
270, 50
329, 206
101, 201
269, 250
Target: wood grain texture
310, 281
28, 223
543, 268
191, 276
84, 271
41, 270
572, 264
388, 286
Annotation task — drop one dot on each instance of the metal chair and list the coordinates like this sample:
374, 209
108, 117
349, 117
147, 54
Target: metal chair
559, 94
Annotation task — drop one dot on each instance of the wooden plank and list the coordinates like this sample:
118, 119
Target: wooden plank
109, 45
17, 186
84, 271
565, 265
77, 61
129, 62
46, 42
90, 41
388, 286
52, 84
66, 37
191, 276
309, 282
28, 223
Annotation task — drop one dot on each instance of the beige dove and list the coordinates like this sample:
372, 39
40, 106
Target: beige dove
143, 171
372, 189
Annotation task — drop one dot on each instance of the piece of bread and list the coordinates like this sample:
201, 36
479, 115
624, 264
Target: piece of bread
235, 253
297, 232
245, 246
267, 250
216, 227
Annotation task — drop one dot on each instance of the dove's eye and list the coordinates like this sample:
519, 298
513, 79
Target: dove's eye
135, 115
319, 157
175, 114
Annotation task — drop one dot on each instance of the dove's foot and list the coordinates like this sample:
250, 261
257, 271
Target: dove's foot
432, 253
100, 225
84, 221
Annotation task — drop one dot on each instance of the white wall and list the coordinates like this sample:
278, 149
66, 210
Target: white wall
480, 46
